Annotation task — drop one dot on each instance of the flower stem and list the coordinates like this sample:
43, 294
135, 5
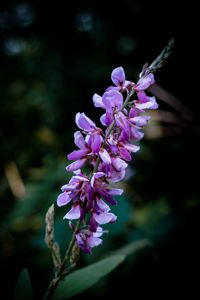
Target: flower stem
54, 282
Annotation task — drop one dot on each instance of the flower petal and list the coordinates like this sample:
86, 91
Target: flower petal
103, 120
94, 241
98, 232
95, 141
140, 120
108, 118
132, 147
76, 165
145, 82
79, 140
119, 164
96, 175
68, 187
112, 100
63, 199
77, 154
74, 213
81, 241
109, 198
121, 121
104, 155
134, 112
124, 154
93, 225
84, 123
143, 98
115, 192
102, 205
136, 135
79, 178
117, 176
97, 100
104, 218
118, 76
151, 104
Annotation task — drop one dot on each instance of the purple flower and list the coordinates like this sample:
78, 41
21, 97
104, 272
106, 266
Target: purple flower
97, 100
122, 148
87, 148
86, 124
102, 188
101, 212
77, 190
118, 77
113, 101
74, 213
144, 82
145, 102
107, 152
87, 239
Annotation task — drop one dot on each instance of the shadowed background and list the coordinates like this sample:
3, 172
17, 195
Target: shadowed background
53, 58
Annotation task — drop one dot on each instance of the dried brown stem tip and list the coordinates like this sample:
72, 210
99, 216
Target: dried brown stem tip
160, 60
49, 238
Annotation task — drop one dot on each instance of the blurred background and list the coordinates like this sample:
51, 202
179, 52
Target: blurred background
53, 58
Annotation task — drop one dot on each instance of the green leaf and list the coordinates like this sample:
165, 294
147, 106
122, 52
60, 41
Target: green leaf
23, 290
132, 248
84, 278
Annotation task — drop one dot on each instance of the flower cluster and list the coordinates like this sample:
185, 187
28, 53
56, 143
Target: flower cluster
107, 151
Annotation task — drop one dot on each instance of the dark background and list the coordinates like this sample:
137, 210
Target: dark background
53, 58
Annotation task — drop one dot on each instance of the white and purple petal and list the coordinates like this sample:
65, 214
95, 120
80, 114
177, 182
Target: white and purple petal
63, 199
96, 175
112, 100
151, 104
97, 100
76, 165
104, 155
116, 176
145, 82
115, 192
84, 123
104, 217
136, 135
68, 187
93, 241
118, 76
119, 164
132, 147
102, 205
140, 120
77, 154
74, 213
98, 232
79, 178
79, 140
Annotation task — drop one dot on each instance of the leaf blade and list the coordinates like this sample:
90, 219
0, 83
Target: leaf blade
23, 290
86, 277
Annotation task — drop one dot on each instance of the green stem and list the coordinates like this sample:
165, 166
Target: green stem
54, 282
